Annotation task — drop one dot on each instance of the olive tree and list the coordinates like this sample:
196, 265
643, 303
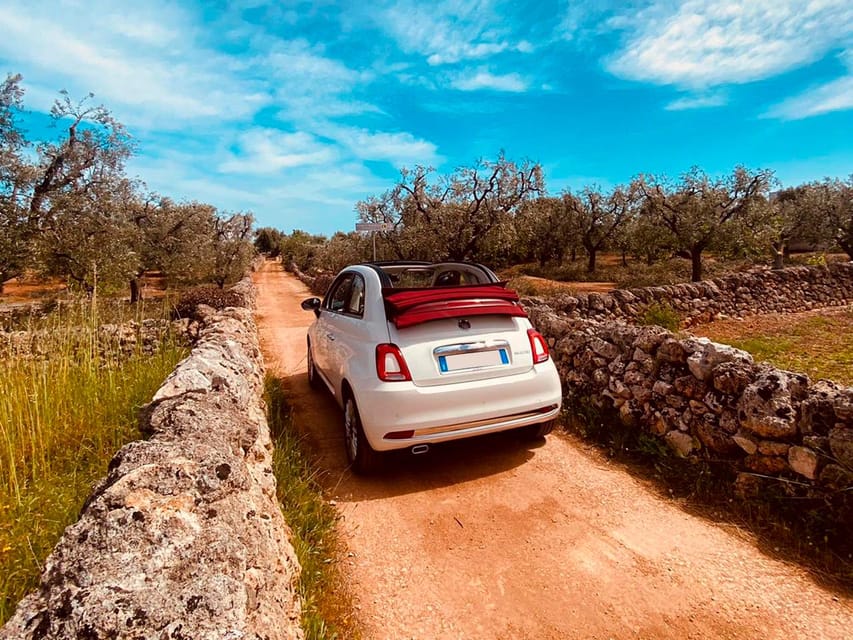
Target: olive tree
699, 212
453, 216
13, 220
598, 216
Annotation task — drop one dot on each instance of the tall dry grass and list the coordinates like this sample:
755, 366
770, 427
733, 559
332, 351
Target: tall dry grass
63, 414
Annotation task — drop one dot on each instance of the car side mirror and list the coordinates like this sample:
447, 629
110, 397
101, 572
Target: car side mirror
312, 304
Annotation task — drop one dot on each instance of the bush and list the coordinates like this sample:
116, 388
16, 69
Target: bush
187, 304
661, 315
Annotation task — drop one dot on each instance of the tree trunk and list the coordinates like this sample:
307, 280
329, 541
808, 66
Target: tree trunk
779, 255
696, 264
624, 257
135, 291
590, 264
574, 254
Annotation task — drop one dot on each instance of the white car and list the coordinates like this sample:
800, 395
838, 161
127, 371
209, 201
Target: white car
417, 353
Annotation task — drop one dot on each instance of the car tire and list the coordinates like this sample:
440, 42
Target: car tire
363, 459
538, 431
313, 376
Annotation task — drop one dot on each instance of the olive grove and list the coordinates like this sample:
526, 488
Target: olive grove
69, 209
500, 213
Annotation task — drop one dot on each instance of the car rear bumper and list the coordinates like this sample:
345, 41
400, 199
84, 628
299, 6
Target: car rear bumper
413, 415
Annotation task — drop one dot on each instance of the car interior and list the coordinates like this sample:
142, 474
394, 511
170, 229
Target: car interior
426, 275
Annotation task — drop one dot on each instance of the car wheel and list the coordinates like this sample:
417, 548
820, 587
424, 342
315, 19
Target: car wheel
537, 431
313, 377
361, 456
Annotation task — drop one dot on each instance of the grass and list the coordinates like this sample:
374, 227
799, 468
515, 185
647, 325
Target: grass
326, 609
818, 345
62, 418
635, 274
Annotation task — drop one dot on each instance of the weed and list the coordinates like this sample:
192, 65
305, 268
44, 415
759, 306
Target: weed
661, 315
312, 521
62, 418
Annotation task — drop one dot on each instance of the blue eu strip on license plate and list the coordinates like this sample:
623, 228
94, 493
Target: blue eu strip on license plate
504, 357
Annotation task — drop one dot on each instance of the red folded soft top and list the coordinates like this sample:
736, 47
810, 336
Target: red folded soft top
408, 307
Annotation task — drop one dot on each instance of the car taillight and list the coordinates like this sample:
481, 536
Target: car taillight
390, 365
538, 346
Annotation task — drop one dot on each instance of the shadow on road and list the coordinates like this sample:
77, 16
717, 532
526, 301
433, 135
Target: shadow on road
318, 418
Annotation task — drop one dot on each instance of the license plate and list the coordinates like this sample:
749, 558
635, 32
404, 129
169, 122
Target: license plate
475, 360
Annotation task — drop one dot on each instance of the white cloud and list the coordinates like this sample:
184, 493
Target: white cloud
146, 73
704, 43
833, 96
270, 151
483, 79
400, 148
450, 31
697, 102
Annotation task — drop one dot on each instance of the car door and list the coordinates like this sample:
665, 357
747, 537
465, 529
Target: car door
348, 337
325, 331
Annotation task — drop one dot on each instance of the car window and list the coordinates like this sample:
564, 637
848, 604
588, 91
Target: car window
356, 299
340, 293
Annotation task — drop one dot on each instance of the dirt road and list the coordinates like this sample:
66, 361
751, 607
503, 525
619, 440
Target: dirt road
494, 538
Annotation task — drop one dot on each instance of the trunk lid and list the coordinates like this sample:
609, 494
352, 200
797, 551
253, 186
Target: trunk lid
449, 335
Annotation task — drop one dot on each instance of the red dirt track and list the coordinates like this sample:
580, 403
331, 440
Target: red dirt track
497, 538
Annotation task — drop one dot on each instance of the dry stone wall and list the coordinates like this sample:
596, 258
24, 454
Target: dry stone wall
183, 539
739, 294
707, 399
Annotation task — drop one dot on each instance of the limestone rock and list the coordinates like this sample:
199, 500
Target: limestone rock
804, 461
841, 445
745, 442
681, 443
184, 537
732, 377
765, 408
710, 354
767, 465
715, 439
671, 350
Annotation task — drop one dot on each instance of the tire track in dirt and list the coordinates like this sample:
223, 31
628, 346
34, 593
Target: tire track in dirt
495, 538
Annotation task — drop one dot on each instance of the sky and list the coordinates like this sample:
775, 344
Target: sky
296, 110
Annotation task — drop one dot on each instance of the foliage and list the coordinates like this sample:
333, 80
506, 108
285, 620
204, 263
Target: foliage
67, 208
268, 241
598, 216
661, 315
62, 418
453, 217
312, 522
216, 297
699, 212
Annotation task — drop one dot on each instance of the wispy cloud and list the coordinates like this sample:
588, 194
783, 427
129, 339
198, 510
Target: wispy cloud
399, 148
705, 43
698, 102
483, 79
450, 31
150, 75
270, 150
833, 96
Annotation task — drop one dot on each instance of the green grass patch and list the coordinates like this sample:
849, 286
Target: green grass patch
325, 604
62, 418
661, 315
820, 346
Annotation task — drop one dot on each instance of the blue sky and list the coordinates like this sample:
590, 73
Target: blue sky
296, 110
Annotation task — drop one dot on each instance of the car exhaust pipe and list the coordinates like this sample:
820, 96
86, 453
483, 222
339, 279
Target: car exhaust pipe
420, 448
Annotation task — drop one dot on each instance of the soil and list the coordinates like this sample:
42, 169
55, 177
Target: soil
497, 538
769, 324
